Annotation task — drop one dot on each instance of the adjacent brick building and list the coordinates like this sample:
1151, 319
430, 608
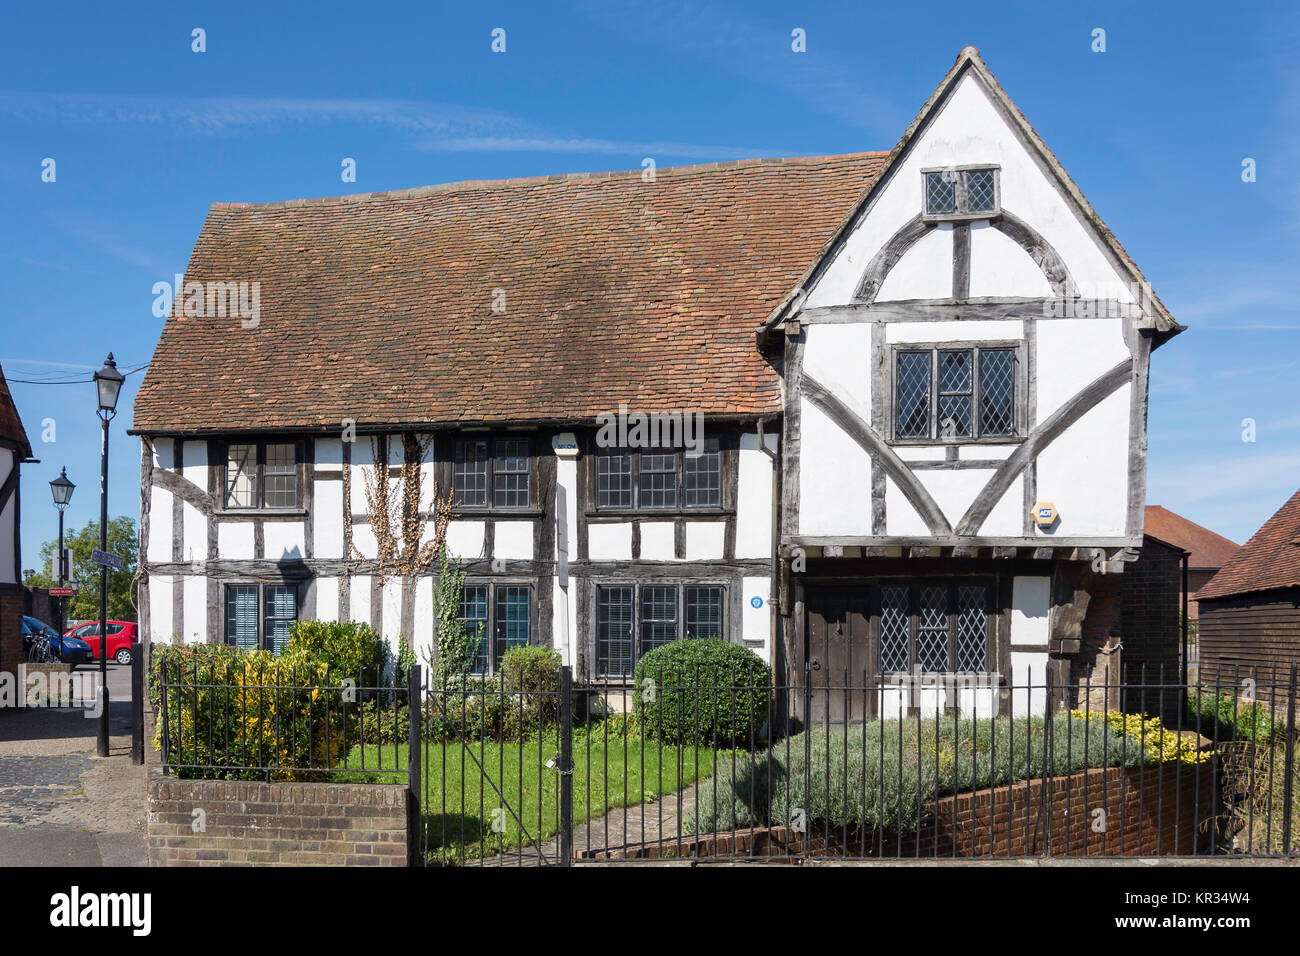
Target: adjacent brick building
1207, 551
14, 449
1250, 610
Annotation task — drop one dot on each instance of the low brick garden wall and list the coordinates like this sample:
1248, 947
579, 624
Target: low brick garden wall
275, 824
1151, 811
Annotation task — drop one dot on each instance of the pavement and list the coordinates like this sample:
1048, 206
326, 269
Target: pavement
60, 804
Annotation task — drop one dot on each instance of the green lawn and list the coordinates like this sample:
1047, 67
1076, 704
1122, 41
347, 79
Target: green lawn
482, 798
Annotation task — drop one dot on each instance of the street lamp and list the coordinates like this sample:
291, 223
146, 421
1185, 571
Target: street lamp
62, 490
108, 383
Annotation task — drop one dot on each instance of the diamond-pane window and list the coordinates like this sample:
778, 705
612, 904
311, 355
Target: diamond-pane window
972, 629
974, 389
932, 629
997, 391
961, 193
981, 195
912, 404
895, 627
940, 192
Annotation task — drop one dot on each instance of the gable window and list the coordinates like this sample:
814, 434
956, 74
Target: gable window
259, 617
949, 393
660, 479
934, 627
961, 193
491, 472
497, 617
262, 475
633, 619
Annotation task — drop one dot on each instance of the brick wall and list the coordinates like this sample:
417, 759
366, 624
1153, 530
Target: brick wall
1152, 811
276, 824
11, 627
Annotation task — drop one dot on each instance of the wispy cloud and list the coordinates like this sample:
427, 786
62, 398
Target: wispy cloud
727, 37
600, 146
216, 115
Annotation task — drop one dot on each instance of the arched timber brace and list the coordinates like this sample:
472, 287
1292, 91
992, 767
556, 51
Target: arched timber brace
862, 433
1040, 250
883, 262
1042, 436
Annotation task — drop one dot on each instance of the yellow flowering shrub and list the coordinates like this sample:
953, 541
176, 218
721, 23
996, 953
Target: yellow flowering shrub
1158, 743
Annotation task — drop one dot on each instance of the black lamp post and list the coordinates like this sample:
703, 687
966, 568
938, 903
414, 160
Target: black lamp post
108, 383
62, 490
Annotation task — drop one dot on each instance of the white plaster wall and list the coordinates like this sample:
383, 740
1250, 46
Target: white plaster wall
704, 540
959, 330
329, 453
609, 542
566, 477
464, 539
921, 452
160, 608
422, 639
953, 490
392, 622
362, 462
195, 531
327, 599
1030, 607
235, 539
756, 622
284, 539
969, 129
839, 357
194, 592
658, 541
1028, 683
1006, 520
1000, 267
1085, 472
9, 571
513, 540
754, 497
160, 524
563, 636
834, 478
1071, 354
327, 519
359, 599
901, 519
925, 271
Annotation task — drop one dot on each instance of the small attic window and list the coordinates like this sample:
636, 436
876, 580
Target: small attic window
961, 192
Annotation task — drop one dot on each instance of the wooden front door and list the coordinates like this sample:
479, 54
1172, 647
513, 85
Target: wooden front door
838, 654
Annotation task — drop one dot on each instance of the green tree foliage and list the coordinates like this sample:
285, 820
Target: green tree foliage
84, 603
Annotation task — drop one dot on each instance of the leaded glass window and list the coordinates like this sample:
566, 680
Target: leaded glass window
262, 475
469, 472
933, 626
510, 474
955, 393
704, 611
961, 193
241, 476
614, 625
665, 479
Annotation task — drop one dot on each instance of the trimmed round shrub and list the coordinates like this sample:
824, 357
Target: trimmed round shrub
702, 691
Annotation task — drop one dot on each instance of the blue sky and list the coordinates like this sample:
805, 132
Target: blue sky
147, 133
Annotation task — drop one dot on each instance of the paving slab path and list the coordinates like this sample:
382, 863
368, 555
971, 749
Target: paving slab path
60, 804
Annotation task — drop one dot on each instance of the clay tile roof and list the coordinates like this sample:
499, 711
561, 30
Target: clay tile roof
1208, 550
1270, 559
11, 426
379, 307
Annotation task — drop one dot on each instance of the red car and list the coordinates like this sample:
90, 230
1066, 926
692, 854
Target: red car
121, 635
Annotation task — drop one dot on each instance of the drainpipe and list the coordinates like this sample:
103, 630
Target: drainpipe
1186, 557
772, 587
